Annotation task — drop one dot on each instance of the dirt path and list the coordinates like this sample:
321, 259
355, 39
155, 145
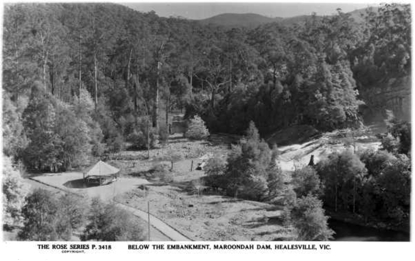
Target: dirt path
160, 225
159, 231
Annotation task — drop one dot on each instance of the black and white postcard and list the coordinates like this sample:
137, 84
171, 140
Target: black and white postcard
226, 126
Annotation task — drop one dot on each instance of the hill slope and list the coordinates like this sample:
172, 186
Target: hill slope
239, 20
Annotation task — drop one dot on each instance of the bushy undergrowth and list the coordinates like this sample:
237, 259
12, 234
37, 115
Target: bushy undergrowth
107, 222
47, 218
197, 129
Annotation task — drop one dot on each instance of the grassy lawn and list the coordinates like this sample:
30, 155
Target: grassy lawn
210, 217
206, 217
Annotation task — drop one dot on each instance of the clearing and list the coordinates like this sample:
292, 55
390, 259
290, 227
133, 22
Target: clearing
198, 215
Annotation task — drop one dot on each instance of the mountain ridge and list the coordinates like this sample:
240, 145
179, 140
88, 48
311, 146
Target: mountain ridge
252, 20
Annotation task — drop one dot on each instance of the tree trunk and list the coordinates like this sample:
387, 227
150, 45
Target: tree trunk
230, 75
191, 78
148, 138
45, 61
80, 66
167, 110
128, 69
95, 79
212, 100
136, 87
52, 85
156, 99
156, 107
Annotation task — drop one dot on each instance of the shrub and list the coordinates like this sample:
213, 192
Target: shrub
116, 144
306, 182
14, 139
172, 156
39, 216
309, 220
197, 129
195, 152
289, 200
110, 223
215, 166
389, 143
159, 167
98, 149
215, 169
395, 184
143, 136
275, 182
162, 172
401, 132
256, 188
165, 176
195, 186
14, 193
71, 215
250, 167
47, 218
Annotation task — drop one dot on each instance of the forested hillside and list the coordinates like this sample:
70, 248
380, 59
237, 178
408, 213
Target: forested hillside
84, 79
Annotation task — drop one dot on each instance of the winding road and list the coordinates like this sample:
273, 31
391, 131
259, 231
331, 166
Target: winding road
160, 230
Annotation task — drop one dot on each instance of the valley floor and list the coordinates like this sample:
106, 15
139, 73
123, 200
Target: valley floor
199, 216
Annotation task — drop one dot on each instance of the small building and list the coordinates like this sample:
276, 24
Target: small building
100, 174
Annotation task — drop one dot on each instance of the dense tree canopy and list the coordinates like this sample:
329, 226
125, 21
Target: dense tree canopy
116, 69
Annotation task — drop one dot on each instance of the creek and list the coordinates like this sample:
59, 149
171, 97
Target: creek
351, 232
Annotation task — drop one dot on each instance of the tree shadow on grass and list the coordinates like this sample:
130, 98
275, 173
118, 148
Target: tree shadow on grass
138, 174
230, 200
264, 221
157, 184
182, 185
176, 140
264, 233
76, 183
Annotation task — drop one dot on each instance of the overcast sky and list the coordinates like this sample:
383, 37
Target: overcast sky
200, 10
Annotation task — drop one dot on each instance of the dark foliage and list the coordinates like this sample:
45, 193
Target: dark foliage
106, 222
250, 171
309, 220
48, 219
306, 181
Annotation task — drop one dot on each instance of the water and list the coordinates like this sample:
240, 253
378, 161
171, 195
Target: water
350, 232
